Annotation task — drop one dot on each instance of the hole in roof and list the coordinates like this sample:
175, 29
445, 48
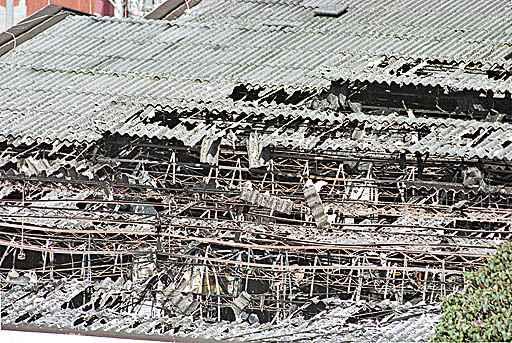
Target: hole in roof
499, 74
473, 135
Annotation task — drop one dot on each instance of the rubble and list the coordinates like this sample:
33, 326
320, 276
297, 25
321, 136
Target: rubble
117, 306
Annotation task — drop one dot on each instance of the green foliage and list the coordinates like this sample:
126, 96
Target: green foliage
483, 312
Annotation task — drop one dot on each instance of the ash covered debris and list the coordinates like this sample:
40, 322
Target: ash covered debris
127, 308
242, 172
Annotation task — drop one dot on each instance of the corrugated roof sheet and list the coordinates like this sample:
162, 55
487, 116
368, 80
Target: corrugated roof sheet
410, 71
271, 111
454, 30
59, 106
143, 48
95, 115
468, 139
47, 305
65, 83
272, 42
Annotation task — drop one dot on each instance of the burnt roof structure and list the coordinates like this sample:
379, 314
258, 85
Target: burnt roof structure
255, 160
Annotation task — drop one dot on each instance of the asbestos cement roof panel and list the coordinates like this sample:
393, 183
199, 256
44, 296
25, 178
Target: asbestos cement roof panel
63, 83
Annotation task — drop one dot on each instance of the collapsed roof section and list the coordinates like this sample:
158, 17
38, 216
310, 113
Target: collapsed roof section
101, 309
186, 121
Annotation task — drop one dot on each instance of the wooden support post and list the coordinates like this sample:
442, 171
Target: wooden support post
327, 287
359, 280
386, 282
272, 175
173, 161
201, 291
217, 285
313, 278
338, 172
443, 278
52, 264
352, 263
283, 282
249, 254
425, 285
402, 288
207, 181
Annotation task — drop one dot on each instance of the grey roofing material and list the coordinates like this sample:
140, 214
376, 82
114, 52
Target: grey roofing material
448, 137
371, 30
431, 29
143, 48
450, 141
55, 106
270, 111
65, 83
458, 76
271, 43
171, 9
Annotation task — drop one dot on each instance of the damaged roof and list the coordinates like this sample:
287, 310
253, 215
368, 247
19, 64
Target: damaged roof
221, 147
69, 83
